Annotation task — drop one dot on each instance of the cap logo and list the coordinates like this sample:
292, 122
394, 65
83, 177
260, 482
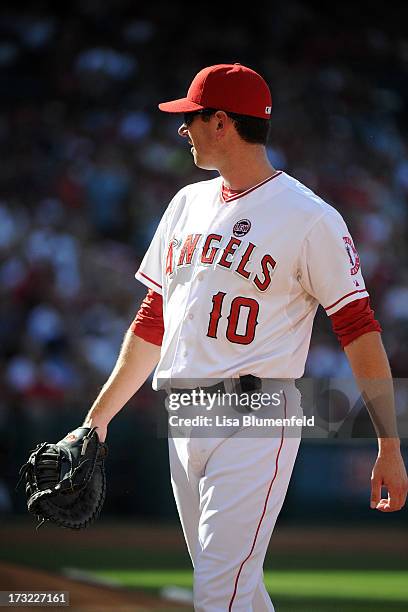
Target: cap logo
268, 110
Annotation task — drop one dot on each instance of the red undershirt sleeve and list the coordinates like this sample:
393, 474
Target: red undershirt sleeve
148, 323
354, 320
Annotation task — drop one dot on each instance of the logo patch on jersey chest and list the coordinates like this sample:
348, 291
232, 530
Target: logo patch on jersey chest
241, 227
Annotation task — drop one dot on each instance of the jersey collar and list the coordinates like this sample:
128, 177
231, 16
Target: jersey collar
228, 195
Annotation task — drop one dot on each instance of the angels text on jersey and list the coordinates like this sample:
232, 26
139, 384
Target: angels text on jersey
214, 249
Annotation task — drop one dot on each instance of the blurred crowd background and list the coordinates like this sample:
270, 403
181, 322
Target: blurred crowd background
88, 165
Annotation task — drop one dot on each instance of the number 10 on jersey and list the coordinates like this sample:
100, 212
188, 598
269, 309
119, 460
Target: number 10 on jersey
240, 306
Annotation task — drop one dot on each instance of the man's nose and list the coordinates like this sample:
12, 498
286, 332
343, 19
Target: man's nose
183, 131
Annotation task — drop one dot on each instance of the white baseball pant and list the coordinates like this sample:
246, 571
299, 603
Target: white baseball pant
229, 492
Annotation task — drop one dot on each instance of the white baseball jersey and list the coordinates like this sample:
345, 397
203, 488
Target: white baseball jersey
241, 279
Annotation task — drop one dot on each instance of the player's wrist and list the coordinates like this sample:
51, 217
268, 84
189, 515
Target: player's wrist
389, 445
100, 422
101, 430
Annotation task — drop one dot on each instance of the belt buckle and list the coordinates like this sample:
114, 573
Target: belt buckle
249, 383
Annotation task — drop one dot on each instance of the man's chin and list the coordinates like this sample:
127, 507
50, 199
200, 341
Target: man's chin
200, 163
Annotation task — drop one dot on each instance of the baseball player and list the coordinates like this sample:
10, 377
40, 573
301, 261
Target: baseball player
235, 273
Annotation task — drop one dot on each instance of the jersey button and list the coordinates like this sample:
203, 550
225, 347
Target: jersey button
200, 277
191, 316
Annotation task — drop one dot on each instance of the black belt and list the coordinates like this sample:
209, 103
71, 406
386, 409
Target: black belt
244, 384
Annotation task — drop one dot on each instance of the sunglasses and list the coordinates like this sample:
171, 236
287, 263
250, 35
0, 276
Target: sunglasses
189, 117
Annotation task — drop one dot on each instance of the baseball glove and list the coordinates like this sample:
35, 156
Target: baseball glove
66, 482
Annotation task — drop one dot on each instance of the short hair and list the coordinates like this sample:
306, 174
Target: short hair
251, 129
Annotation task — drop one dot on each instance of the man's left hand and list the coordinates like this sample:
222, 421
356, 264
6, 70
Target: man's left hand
389, 472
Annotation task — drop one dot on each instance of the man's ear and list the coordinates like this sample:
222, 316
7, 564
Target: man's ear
221, 118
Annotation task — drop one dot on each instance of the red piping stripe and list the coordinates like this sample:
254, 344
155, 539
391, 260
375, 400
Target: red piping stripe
243, 193
150, 279
263, 513
345, 296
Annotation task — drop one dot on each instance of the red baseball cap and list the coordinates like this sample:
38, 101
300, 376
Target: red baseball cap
229, 87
